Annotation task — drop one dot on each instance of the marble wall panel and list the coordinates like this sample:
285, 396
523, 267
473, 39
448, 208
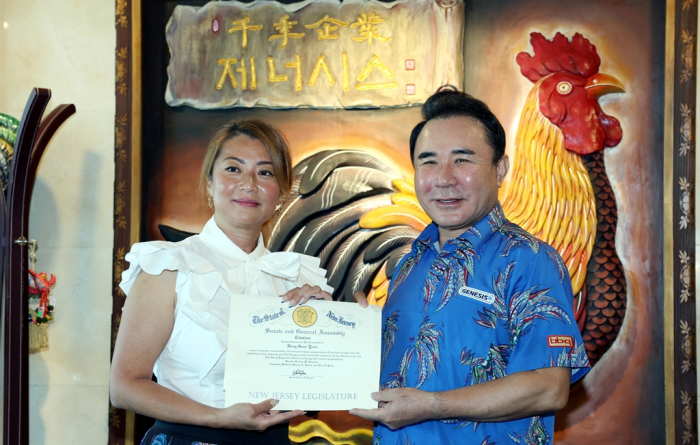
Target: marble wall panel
67, 46
72, 205
68, 414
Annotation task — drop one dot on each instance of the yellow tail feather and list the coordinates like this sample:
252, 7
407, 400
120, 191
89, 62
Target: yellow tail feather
394, 215
405, 185
408, 200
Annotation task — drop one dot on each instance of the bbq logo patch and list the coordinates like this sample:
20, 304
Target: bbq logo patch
560, 341
476, 294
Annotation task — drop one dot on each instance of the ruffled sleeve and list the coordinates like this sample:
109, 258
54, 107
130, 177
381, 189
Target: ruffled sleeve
190, 258
312, 274
154, 257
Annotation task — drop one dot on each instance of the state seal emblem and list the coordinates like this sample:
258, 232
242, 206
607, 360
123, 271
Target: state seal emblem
304, 316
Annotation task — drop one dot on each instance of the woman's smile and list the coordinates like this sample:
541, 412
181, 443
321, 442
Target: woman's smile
246, 202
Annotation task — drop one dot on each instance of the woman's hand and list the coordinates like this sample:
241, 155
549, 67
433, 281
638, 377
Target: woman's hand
253, 417
301, 295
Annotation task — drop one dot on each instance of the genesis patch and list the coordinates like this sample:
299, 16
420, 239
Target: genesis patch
476, 294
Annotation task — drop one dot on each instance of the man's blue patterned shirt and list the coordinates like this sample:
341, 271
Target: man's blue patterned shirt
494, 301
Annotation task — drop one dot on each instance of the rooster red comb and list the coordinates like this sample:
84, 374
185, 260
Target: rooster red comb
577, 57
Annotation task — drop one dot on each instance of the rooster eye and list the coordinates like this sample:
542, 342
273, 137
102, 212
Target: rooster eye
564, 87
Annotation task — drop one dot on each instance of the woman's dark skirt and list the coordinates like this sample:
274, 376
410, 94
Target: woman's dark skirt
167, 433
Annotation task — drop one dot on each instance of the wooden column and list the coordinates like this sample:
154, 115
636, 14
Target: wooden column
679, 222
127, 177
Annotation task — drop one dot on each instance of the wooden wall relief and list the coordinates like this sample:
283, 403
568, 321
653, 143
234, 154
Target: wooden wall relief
269, 55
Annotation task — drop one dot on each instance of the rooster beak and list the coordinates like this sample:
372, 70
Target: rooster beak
601, 84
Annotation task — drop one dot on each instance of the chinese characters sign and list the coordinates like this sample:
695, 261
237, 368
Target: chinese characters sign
319, 54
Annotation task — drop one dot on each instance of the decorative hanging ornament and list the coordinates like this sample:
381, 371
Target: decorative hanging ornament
41, 304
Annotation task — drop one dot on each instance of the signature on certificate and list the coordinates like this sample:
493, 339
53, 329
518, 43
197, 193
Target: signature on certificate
299, 372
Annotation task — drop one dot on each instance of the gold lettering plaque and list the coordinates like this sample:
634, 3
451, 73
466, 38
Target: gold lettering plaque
316, 54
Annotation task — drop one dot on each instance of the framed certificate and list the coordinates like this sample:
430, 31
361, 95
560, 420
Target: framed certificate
323, 355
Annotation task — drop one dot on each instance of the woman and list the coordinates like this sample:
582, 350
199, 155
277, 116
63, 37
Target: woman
175, 320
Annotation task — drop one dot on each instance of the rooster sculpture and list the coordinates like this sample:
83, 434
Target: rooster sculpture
359, 216
559, 190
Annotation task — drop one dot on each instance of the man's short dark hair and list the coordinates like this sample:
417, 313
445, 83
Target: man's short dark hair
447, 103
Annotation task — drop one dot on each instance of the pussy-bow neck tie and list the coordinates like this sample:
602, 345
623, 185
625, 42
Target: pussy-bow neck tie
283, 265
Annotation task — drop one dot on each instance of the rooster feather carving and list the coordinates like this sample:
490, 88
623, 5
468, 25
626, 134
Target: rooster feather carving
360, 217
560, 190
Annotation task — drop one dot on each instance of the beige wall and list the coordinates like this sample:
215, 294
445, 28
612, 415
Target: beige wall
69, 47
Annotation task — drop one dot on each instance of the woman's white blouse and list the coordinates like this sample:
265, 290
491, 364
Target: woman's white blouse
209, 268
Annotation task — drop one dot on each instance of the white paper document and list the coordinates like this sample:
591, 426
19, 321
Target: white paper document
323, 355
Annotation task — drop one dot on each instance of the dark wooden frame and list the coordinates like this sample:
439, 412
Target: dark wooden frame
679, 162
33, 136
127, 176
679, 222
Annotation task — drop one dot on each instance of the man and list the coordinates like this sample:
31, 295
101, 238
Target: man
479, 337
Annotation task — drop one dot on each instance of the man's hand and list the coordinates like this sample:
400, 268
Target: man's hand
399, 407
361, 298
519, 395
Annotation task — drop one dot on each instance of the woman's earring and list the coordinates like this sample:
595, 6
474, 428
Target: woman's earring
278, 208
210, 202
